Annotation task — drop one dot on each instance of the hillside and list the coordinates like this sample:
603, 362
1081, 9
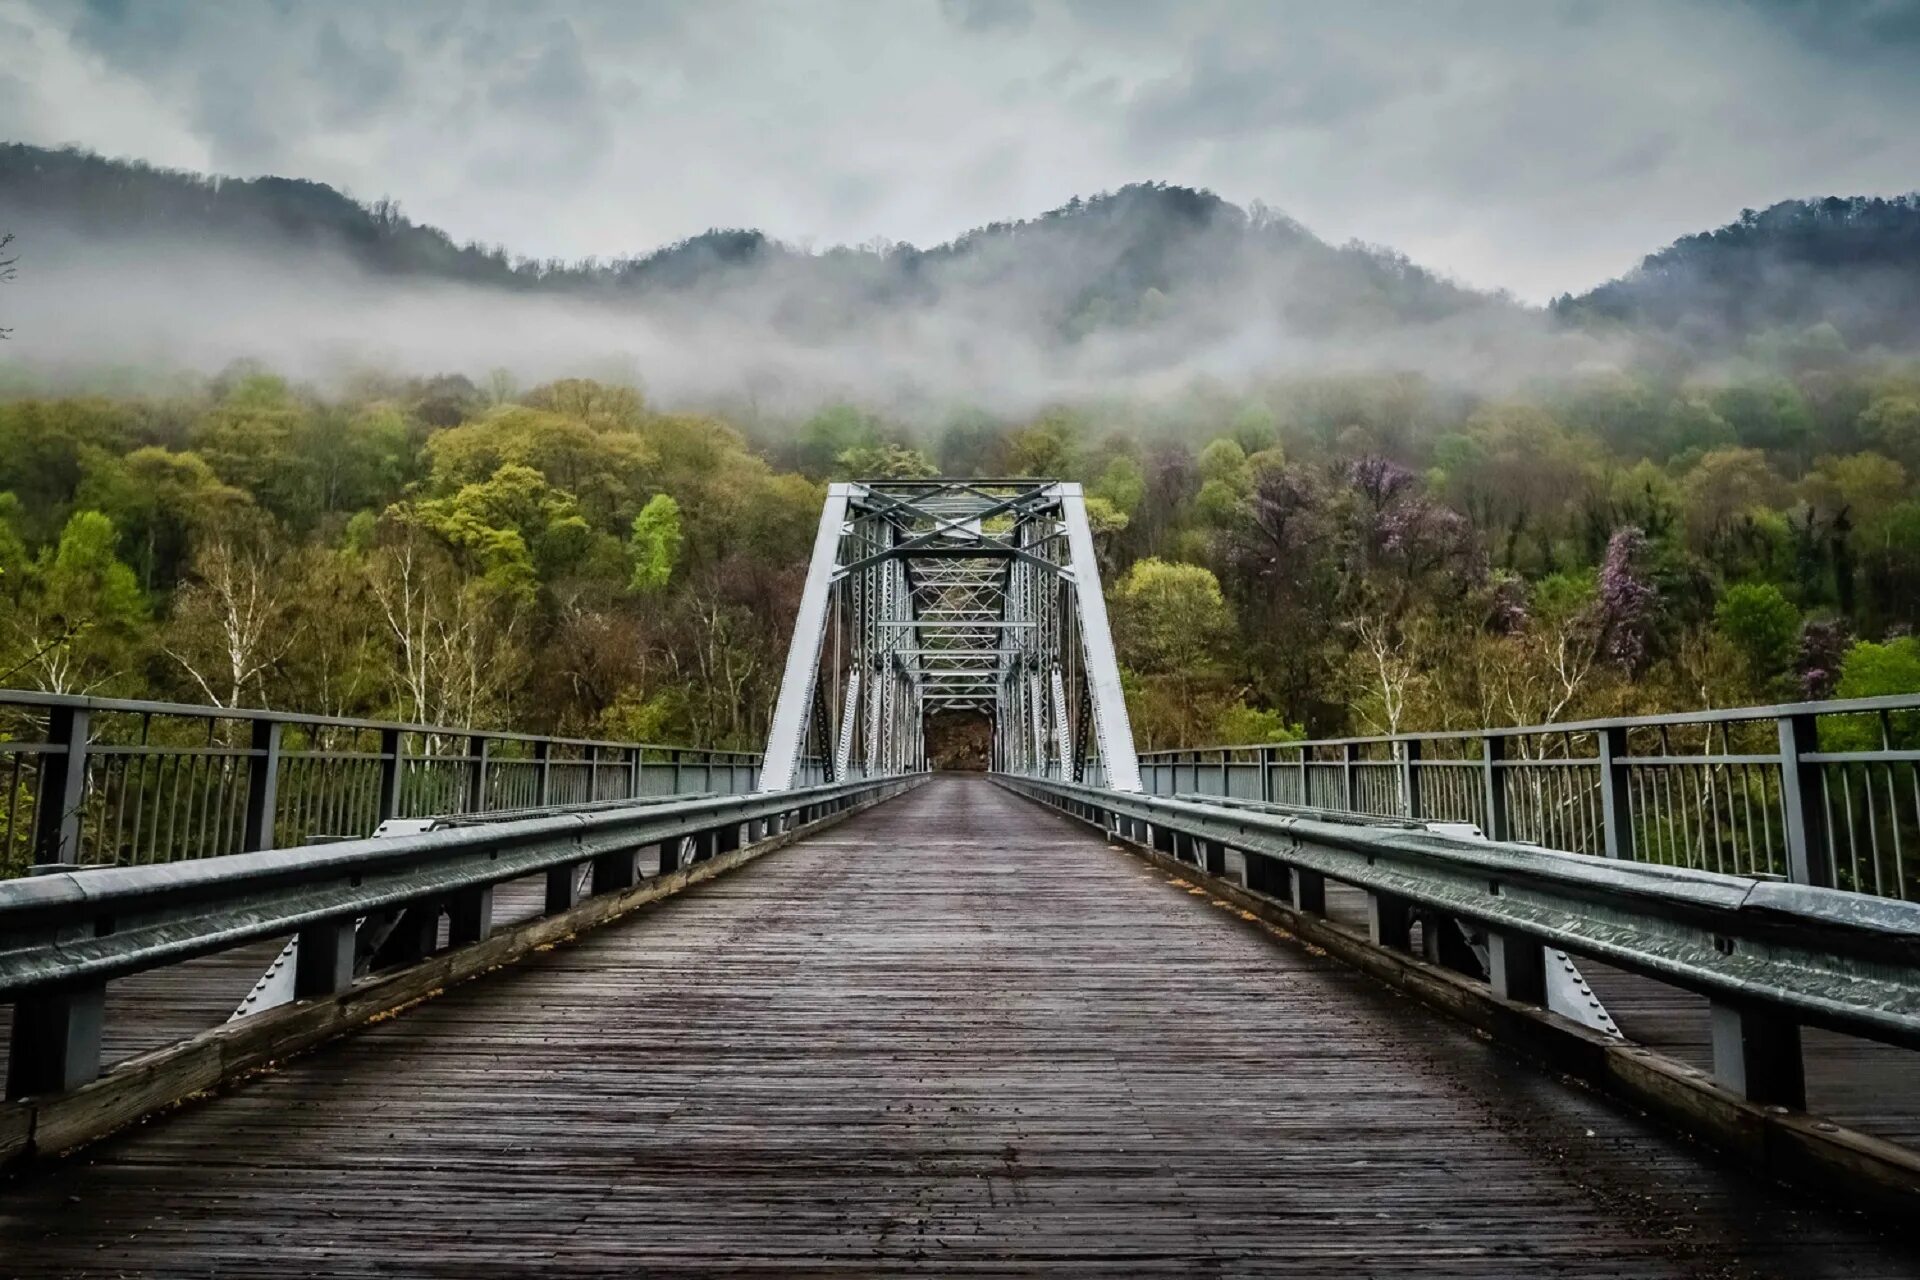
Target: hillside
1150, 284
1850, 263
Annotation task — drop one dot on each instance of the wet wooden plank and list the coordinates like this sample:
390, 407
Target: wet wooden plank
956, 1035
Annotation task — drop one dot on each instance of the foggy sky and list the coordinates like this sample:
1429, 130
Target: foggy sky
1532, 145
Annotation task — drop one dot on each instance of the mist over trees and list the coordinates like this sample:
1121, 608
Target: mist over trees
1331, 491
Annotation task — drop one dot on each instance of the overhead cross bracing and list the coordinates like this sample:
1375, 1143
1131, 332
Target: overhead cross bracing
937, 595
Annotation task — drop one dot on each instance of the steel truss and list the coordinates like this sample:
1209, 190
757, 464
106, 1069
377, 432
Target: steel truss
951, 595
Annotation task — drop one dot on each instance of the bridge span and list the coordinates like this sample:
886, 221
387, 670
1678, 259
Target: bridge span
955, 1034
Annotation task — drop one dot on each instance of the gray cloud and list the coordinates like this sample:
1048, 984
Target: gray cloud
1537, 145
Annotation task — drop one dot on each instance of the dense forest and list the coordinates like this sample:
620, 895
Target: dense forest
1724, 511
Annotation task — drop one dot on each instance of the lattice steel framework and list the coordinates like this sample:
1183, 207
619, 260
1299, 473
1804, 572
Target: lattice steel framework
951, 595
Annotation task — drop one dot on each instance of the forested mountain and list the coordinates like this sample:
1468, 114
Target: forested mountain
1853, 264
1141, 288
259, 444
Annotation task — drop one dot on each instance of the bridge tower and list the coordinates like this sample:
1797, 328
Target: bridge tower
951, 595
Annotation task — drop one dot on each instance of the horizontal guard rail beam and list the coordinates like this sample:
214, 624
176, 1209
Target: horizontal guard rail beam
1826, 958
87, 926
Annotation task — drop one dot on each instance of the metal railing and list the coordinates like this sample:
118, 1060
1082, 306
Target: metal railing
110, 782
64, 935
1819, 793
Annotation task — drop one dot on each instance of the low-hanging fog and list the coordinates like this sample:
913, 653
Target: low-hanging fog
1134, 297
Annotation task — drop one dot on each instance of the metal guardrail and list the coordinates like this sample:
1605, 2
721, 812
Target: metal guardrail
1770, 956
63, 936
1818, 793
112, 782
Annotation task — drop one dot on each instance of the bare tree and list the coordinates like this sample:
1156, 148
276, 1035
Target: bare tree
231, 622
7, 261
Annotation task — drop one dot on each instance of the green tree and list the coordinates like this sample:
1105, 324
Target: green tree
654, 547
1762, 624
76, 620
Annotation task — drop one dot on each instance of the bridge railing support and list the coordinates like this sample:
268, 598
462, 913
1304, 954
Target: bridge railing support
1819, 793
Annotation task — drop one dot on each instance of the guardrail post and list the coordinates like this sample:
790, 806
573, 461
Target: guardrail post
1800, 799
263, 787
563, 888
1517, 968
470, 916
1347, 793
1616, 814
477, 774
56, 1040
727, 838
323, 958
1410, 776
63, 788
702, 846
669, 856
1264, 875
543, 760
390, 772
1756, 1054
1389, 921
1309, 892
615, 871
1493, 750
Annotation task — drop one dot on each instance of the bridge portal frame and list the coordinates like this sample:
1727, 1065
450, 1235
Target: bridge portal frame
952, 594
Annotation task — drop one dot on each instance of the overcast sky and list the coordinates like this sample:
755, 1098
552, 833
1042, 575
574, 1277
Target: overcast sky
1532, 145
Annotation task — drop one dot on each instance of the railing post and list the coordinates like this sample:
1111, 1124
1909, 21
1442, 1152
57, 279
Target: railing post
1493, 750
1389, 920
543, 758
470, 916
263, 786
1266, 774
1410, 776
56, 1040
391, 763
1347, 792
633, 773
1616, 814
677, 788
1517, 968
477, 773
1800, 799
323, 958
593, 774
1309, 892
1756, 1054
563, 888
63, 788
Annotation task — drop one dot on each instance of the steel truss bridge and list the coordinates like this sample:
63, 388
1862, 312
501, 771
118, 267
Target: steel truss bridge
301, 995
952, 595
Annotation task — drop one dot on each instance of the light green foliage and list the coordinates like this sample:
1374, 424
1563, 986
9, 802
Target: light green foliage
514, 528
1121, 485
1871, 670
885, 462
1892, 421
654, 546
1103, 518
1050, 446
1760, 622
1240, 723
1170, 618
157, 498
75, 617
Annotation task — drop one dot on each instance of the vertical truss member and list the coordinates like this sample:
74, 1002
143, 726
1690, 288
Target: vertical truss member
952, 595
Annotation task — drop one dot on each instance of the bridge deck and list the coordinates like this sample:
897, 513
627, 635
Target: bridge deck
955, 1034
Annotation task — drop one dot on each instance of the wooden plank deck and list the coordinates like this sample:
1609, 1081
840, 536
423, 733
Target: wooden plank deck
955, 1035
